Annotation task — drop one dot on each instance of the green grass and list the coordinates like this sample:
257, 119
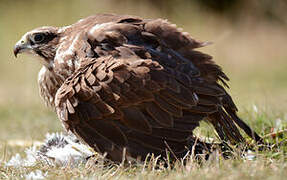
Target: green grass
252, 53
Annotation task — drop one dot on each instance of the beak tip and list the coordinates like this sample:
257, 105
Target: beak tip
16, 51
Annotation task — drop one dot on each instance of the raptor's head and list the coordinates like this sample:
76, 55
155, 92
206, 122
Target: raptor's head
41, 42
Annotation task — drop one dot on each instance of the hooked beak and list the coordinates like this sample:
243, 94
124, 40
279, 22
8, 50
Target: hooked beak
20, 47
17, 49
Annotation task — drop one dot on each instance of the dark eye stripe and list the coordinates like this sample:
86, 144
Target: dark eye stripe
40, 38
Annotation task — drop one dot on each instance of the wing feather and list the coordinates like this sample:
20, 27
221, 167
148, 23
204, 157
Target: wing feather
159, 115
135, 119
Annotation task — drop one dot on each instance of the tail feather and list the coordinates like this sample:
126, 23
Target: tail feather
225, 127
231, 109
251, 133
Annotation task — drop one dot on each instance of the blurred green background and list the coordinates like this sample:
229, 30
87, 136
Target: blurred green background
249, 39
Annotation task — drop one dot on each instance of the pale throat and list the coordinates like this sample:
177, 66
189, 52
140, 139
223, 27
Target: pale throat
46, 62
49, 64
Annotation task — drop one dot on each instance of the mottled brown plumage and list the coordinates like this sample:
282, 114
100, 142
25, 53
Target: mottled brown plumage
125, 82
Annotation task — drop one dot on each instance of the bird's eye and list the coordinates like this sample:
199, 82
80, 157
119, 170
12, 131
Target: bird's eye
38, 38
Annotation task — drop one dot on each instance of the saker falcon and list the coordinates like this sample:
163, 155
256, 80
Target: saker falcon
120, 82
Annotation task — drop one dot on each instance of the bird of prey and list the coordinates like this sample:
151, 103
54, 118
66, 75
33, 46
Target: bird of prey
123, 83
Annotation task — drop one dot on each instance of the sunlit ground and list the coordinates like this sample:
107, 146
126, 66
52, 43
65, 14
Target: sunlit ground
251, 52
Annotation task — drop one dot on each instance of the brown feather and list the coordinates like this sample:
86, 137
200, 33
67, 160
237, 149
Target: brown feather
109, 130
169, 108
135, 119
162, 117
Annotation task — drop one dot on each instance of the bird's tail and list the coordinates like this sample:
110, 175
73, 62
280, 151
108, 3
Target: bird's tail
250, 132
225, 121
